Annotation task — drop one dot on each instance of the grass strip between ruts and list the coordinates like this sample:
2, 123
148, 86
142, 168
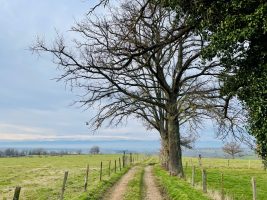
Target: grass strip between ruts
135, 186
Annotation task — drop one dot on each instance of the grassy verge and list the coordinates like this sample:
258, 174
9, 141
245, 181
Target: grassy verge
135, 186
176, 188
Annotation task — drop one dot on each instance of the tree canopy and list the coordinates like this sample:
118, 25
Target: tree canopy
237, 33
144, 60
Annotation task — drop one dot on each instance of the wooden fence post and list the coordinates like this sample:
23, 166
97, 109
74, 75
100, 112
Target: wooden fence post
123, 160
86, 178
16, 193
120, 163
199, 162
249, 164
109, 167
186, 165
193, 176
131, 159
204, 181
253, 182
101, 166
228, 162
222, 187
64, 185
115, 166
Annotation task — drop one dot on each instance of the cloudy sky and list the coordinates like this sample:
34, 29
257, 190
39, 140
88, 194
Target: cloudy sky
33, 106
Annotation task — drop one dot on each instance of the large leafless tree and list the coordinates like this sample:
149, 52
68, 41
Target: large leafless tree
143, 60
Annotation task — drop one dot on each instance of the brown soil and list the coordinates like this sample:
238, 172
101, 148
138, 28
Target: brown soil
119, 189
152, 190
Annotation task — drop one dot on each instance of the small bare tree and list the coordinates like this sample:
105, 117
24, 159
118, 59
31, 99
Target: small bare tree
95, 150
232, 148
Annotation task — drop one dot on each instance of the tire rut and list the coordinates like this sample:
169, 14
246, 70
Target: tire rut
152, 190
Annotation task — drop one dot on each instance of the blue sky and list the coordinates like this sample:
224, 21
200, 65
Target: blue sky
32, 105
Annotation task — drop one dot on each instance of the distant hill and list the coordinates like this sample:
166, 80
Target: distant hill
106, 146
216, 153
115, 146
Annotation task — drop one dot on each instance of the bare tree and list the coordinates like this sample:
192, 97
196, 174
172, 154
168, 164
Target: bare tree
79, 151
143, 60
95, 150
232, 148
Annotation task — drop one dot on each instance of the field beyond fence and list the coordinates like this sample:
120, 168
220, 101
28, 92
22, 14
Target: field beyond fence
228, 178
42, 177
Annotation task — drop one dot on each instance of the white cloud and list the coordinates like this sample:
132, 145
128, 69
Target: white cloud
18, 132
20, 129
48, 137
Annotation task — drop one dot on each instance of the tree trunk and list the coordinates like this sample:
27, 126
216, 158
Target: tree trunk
175, 153
164, 153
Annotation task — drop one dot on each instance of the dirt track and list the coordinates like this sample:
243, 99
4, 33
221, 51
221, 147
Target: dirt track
152, 191
119, 189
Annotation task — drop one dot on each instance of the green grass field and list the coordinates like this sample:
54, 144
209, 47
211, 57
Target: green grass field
237, 176
42, 177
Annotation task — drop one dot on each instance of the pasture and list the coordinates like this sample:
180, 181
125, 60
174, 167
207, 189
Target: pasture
42, 177
237, 175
